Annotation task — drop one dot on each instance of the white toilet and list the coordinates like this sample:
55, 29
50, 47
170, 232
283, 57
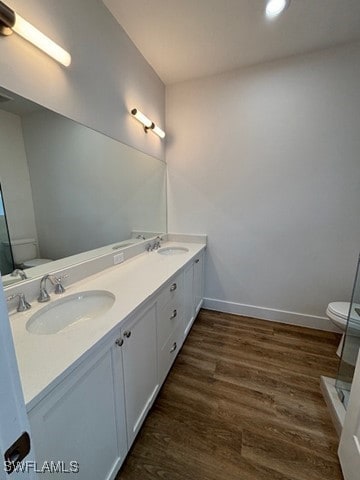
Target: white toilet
338, 313
25, 253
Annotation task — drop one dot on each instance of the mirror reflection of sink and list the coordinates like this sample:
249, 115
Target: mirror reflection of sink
123, 245
64, 312
10, 281
172, 250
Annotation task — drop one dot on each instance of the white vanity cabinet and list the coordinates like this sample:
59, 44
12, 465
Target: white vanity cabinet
170, 319
94, 414
198, 282
193, 291
140, 368
83, 419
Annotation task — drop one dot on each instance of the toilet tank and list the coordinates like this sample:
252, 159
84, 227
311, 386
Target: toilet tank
24, 249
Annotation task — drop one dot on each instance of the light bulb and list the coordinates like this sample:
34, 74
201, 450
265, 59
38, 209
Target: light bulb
275, 7
41, 41
158, 131
142, 118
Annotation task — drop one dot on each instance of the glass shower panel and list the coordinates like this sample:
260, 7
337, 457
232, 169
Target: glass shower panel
6, 257
351, 344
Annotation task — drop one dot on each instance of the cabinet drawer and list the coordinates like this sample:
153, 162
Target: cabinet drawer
168, 353
169, 318
172, 291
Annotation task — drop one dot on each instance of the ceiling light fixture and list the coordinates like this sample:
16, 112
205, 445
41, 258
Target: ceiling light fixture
275, 7
10, 22
148, 124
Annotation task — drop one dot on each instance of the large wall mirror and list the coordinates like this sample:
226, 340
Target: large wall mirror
68, 189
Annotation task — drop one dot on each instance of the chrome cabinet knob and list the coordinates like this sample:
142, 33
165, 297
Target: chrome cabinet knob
173, 348
127, 334
119, 342
197, 260
174, 314
173, 287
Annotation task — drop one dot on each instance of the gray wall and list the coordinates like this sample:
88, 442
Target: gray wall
266, 161
108, 75
15, 179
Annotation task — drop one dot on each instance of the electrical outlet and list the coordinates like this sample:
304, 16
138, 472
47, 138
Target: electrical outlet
118, 258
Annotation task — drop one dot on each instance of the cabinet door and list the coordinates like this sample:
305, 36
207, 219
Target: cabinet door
140, 369
168, 352
198, 282
83, 420
189, 310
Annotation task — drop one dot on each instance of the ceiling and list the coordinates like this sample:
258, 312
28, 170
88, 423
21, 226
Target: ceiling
184, 39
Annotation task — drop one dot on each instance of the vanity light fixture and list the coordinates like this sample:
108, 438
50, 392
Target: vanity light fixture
10, 22
275, 7
148, 124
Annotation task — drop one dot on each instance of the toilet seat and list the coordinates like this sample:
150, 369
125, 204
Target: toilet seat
338, 312
35, 262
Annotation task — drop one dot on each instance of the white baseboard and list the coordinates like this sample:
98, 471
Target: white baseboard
271, 314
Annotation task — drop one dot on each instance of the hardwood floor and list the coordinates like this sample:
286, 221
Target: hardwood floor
242, 402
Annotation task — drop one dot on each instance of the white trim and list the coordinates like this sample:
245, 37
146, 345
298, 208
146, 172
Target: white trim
271, 314
333, 402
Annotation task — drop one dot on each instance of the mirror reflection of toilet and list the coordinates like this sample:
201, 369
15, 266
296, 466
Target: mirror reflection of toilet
25, 252
338, 313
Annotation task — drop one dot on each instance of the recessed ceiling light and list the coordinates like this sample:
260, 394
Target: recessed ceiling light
275, 7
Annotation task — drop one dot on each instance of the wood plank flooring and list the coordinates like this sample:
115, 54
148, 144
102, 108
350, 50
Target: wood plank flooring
242, 402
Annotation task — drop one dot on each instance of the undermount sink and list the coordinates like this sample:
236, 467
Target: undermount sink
64, 312
172, 250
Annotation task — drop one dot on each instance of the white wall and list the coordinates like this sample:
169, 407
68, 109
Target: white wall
15, 179
108, 75
266, 161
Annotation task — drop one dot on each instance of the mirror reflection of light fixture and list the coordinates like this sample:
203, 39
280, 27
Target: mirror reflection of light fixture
148, 124
10, 22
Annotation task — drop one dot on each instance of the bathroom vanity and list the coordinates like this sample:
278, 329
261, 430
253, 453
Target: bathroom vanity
89, 387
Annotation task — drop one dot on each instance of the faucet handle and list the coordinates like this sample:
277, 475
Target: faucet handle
23, 304
59, 287
62, 277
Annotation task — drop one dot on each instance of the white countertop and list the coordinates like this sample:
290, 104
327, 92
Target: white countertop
44, 360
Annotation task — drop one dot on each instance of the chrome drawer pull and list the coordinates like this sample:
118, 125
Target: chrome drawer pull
119, 342
173, 348
197, 260
127, 334
173, 287
174, 314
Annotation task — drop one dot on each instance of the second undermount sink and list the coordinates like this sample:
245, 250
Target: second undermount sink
64, 312
172, 250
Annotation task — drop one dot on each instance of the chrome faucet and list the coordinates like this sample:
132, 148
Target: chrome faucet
155, 246
19, 272
157, 243
23, 305
55, 281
